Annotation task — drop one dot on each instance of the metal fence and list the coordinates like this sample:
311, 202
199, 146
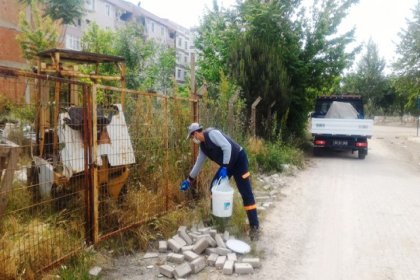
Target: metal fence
80, 163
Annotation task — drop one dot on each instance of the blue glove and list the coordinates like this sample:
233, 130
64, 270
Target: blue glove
222, 172
185, 185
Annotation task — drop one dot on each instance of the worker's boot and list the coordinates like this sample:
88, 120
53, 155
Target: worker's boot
254, 233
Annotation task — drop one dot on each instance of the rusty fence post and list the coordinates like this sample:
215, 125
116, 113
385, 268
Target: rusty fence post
94, 167
254, 115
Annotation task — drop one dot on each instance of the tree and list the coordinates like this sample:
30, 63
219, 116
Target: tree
36, 35
371, 81
67, 11
407, 66
213, 38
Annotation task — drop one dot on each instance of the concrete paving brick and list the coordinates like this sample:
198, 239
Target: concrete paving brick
182, 270
175, 258
184, 235
174, 245
190, 255
182, 228
232, 257
219, 241
255, 262
220, 262
212, 242
187, 248
167, 270
222, 251
243, 268
163, 246
205, 230
228, 267
198, 264
210, 251
211, 260
213, 232
226, 235
200, 245
180, 241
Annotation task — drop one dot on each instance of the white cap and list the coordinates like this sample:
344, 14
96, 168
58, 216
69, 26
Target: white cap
193, 127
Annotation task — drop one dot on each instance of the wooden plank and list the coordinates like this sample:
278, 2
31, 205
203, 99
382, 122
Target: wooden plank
6, 182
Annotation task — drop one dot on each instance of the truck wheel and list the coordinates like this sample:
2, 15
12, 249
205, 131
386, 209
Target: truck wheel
316, 152
362, 154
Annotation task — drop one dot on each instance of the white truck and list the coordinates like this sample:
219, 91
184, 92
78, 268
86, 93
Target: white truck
338, 123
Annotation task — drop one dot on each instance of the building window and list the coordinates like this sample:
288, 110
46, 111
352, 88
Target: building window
178, 75
153, 27
186, 45
180, 42
162, 31
90, 5
108, 10
185, 59
73, 43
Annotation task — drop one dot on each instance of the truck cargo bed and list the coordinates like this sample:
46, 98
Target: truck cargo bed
327, 126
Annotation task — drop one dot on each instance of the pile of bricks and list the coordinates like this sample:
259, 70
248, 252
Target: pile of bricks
189, 252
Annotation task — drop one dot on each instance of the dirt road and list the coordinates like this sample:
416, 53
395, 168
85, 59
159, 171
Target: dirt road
344, 218
339, 219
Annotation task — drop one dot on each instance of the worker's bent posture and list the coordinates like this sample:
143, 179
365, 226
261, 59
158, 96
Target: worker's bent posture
232, 160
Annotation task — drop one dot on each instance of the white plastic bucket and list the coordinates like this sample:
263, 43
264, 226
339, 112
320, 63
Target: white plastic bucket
222, 199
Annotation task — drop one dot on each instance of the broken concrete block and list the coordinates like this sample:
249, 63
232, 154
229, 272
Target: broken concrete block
182, 270
174, 245
211, 260
243, 268
255, 262
228, 267
219, 241
200, 245
198, 264
190, 256
187, 248
226, 235
150, 255
94, 271
163, 246
175, 258
232, 257
222, 251
184, 235
180, 241
220, 262
167, 270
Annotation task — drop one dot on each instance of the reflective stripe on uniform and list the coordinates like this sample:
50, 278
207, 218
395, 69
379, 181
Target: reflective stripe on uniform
246, 175
250, 207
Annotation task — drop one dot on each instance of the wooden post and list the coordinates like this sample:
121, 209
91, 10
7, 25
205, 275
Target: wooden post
95, 182
232, 102
254, 116
195, 108
123, 84
166, 166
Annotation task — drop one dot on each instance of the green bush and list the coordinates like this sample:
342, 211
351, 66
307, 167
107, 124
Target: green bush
272, 156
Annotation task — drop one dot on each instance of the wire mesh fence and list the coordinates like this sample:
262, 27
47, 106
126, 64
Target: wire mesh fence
80, 163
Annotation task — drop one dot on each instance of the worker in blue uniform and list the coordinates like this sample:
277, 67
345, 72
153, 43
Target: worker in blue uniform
233, 161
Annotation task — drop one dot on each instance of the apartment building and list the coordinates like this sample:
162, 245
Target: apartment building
10, 52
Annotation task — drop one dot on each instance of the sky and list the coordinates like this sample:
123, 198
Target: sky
380, 20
